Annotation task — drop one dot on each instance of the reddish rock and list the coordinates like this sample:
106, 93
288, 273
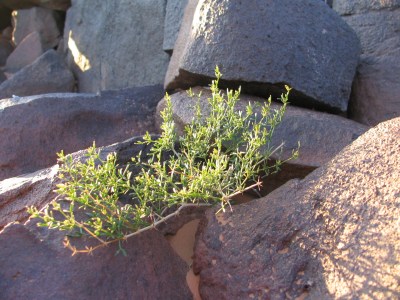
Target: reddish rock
27, 51
333, 235
47, 74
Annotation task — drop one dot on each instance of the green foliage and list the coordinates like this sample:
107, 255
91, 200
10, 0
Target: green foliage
218, 157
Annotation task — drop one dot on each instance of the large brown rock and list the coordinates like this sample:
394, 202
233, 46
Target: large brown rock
128, 36
333, 235
376, 88
35, 265
47, 74
23, 4
321, 135
42, 20
38, 127
256, 50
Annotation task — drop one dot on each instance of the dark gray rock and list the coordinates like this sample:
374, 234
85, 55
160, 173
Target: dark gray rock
5, 17
351, 7
23, 4
47, 74
333, 235
256, 49
38, 127
173, 20
35, 265
128, 36
376, 89
321, 135
6, 49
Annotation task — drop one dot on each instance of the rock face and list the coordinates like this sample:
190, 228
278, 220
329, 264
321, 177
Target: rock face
376, 89
173, 20
351, 7
5, 50
23, 4
38, 127
35, 265
26, 52
47, 74
255, 49
44, 21
128, 36
321, 135
333, 235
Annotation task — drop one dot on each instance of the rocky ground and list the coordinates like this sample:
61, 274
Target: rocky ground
328, 226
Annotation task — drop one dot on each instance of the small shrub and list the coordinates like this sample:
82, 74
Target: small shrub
218, 157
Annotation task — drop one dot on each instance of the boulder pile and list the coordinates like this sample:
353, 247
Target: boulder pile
327, 227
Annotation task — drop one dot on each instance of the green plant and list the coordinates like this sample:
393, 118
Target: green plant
218, 157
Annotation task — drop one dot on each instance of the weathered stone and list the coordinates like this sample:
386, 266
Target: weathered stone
5, 50
44, 21
2, 77
25, 53
38, 127
47, 74
128, 36
35, 265
333, 235
374, 27
173, 20
321, 135
376, 89
351, 7
23, 4
256, 50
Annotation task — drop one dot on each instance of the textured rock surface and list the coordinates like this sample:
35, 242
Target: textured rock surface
38, 127
321, 135
47, 74
351, 7
5, 50
128, 36
376, 89
173, 20
35, 265
44, 21
27, 51
255, 49
23, 4
333, 235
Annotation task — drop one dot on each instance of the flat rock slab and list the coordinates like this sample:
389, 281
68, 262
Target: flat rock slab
333, 235
47, 74
128, 37
321, 135
254, 48
35, 265
38, 127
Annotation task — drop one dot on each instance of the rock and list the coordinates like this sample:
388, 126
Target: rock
44, 21
25, 53
23, 4
376, 89
351, 7
333, 235
2, 77
128, 36
5, 17
47, 74
5, 50
173, 20
256, 50
35, 265
321, 135
70, 122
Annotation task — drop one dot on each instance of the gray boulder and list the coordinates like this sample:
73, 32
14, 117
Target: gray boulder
5, 50
351, 7
257, 50
173, 20
321, 135
45, 21
128, 36
376, 89
47, 74
38, 127
333, 235
23, 4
